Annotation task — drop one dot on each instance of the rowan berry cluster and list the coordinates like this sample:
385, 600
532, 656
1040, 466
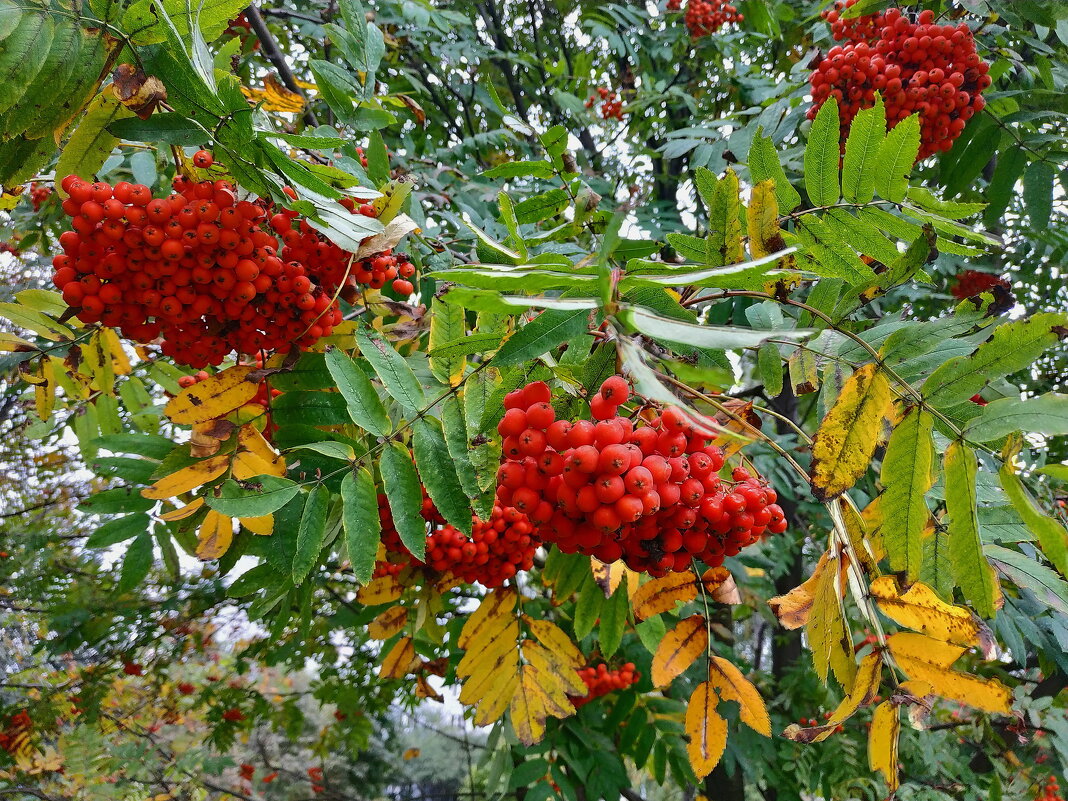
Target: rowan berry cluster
233, 715
611, 105
705, 17
673, 5
916, 65
970, 283
194, 267
38, 195
648, 492
336, 267
247, 771
497, 549
601, 681
1050, 790
132, 669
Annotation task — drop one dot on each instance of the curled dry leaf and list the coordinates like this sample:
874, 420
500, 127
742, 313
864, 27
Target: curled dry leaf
138, 92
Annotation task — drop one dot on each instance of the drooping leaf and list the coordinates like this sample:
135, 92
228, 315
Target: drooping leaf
882, 742
679, 649
731, 685
908, 472
1052, 536
311, 535
971, 571
928, 660
363, 528
438, 472
390, 367
706, 729
405, 495
362, 401
822, 154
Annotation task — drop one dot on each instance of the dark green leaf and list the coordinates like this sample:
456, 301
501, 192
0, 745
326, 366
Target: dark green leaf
136, 564
311, 535
363, 528
405, 495
362, 401
256, 497
390, 367
438, 472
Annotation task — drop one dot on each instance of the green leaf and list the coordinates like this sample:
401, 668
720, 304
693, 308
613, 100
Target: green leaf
1012, 346
953, 210
897, 155
822, 154
36, 321
860, 166
363, 528
826, 254
1034, 576
91, 143
117, 530
259, 577
588, 608
769, 364
764, 164
136, 564
163, 126
452, 420
971, 572
1046, 414
25, 51
542, 334
908, 471
521, 169
1010, 166
253, 498
405, 495
542, 206
438, 472
725, 222
614, 619
311, 534
1038, 193
447, 324
115, 501
333, 450
640, 319
390, 367
310, 408
1052, 537
361, 400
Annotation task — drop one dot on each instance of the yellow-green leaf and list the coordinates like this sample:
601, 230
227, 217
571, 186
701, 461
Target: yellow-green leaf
908, 472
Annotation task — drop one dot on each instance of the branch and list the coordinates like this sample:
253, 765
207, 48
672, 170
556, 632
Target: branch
274, 54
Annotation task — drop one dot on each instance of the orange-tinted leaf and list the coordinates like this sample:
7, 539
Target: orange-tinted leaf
215, 535
399, 661
733, 686
678, 650
662, 594
388, 624
794, 608
382, 590
706, 729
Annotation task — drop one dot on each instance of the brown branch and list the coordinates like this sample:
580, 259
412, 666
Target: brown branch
274, 55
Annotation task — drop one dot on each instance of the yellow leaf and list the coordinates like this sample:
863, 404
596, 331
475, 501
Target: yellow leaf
254, 456
275, 96
262, 525
928, 660
733, 686
120, 362
215, 535
922, 610
382, 590
882, 742
857, 531
9, 343
864, 690
828, 634
44, 392
498, 604
388, 623
399, 661
411, 753
609, 576
488, 648
553, 637
182, 512
762, 219
533, 702
662, 594
216, 396
498, 698
678, 650
188, 478
478, 688
795, 608
545, 661
846, 440
706, 729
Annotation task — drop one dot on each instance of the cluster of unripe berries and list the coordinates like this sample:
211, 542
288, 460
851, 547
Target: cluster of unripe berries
334, 266
970, 283
611, 105
705, 17
497, 549
646, 490
917, 66
601, 681
194, 267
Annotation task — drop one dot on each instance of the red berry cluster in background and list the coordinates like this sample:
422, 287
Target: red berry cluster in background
673, 5
970, 283
611, 105
917, 66
335, 266
497, 549
1050, 790
38, 195
233, 715
247, 771
601, 681
132, 669
705, 17
648, 492
194, 267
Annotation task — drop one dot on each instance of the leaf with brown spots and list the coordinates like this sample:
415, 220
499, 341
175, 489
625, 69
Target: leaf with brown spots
678, 650
662, 594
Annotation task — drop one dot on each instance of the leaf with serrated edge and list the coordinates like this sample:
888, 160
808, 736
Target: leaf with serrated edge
499, 696
188, 478
389, 623
821, 155
795, 607
214, 536
399, 661
706, 729
846, 440
882, 742
662, 594
363, 527
928, 660
908, 472
864, 690
382, 590
216, 396
678, 650
919, 608
498, 604
488, 649
1051, 534
859, 165
971, 572
545, 661
553, 637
